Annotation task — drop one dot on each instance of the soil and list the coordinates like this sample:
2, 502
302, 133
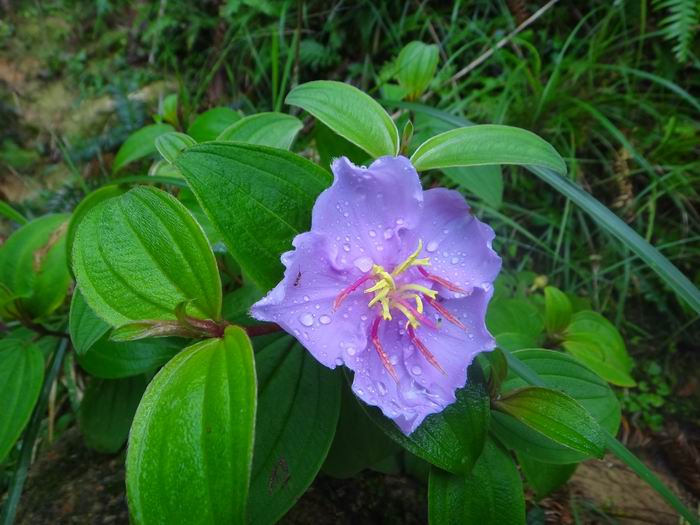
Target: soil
70, 484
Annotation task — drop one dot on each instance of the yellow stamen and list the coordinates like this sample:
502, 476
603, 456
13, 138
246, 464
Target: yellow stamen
379, 296
386, 312
411, 318
412, 260
381, 284
381, 272
418, 288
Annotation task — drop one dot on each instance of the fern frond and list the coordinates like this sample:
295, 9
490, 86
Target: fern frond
680, 24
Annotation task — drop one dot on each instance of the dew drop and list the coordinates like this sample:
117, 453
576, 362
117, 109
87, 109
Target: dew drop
388, 233
399, 221
416, 370
381, 387
346, 247
364, 264
360, 392
346, 214
325, 319
455, 260
306, 319
317, 306
432, 246
351, 350
339, 361
306, 298
363, 317
372, 233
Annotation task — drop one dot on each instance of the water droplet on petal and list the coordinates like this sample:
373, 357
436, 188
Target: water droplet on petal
399, 221
364, 264
325, 319
339, 362
381, 387
306, 298
388, 233
306, 319
416, 370
360, 392
346, 247
455, 260
372, 233
351, 350
432, 246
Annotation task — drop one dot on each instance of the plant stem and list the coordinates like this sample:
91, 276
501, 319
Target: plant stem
29, 439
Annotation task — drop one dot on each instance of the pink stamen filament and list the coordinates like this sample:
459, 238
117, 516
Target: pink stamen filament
443, 282
354, 286
423, 349
419, 316
444, 312
380, 350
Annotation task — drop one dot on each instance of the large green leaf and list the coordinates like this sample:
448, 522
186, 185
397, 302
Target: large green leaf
486, 182
139, 144
298, 407
107, 410
485, 145
544, 478
555, 415
276, 130
595, 341
557, 310
191, 442
416, 65
211, 123
21, 377
491, 494
349, 112
257, 197
452, 439
514, 316
110, 360
170, 145
84, 326
33, 266
139, 255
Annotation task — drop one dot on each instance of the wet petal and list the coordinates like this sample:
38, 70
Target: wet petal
302, 303
365, 209
422, 389
458, 244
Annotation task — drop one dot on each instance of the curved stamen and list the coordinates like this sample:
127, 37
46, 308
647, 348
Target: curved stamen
445, 312
441, 281
374, 335
347, 291
401, 304
423, 349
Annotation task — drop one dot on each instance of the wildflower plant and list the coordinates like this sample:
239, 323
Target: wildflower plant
247, 299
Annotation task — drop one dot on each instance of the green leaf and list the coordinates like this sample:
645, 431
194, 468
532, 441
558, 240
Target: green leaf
330, 146
191, 442
544, 478
514, 316
33, 265
298, 407
258, 198
485, 145
10, 213
556, 416
276, 130
595, 341
107, 410
139, 255
21, 377
109, 360
139, 144
170, 145
358, 443
486, 182
83, 324
557, 310
349, 112
452, 439
89, 202
211, 123
170, 109
491, 494
416, 65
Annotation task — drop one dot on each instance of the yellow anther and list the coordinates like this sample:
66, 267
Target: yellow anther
386, 312
412, 260
379, 296
386, 276
419, 303
381, 284
418, 288
411, 318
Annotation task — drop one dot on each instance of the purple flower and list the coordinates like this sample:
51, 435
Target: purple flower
393, 282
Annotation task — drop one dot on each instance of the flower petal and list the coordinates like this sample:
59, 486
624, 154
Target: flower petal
365, 208
302, 303
458, 244
422, 389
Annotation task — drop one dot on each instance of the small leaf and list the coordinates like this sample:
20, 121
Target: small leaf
170, 109
10, 213
21, 377
191, 442
544, 478
514, 316
491, 494
452, 439
557, 310
139, 255
109, 360
595, 341
485, 145
139, 145
211, 123
276, 130
107, 410
84, 326
349, 112
416, 65
258, 198
170, 145
33, 268
298, 407
486, 182
555, 415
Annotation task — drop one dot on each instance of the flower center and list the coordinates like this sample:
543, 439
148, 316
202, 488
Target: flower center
388, 296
